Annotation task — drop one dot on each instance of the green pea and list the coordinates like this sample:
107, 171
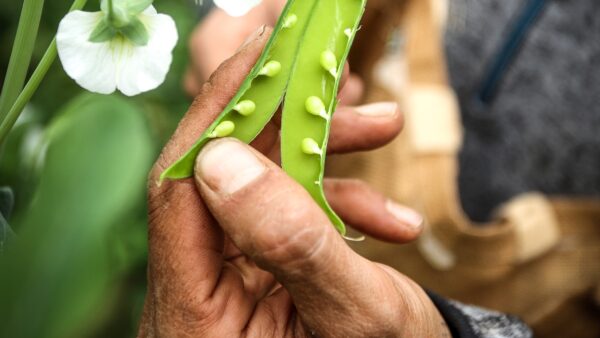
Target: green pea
271, 69
290, 21
223, 129
245, 107
315, 106
264, 86
349, 32
311, 147
329, 62
312, 88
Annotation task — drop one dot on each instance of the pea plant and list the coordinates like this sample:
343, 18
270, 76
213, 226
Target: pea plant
126, 45
301, 66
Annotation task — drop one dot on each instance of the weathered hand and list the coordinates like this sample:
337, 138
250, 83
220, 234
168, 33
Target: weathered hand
242, 250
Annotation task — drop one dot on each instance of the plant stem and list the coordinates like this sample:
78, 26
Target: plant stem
28, 91
110, 14
33, 83
20, 58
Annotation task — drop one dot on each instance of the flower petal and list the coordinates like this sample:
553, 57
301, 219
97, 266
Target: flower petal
237, 7
90, 64
143, 68
150, 11
116, 64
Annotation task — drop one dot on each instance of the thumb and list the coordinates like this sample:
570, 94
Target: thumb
268, 215
274, 221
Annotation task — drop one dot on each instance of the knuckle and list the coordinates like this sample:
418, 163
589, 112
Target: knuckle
346, 185
186, 317
298, 249
356, 184
293, 236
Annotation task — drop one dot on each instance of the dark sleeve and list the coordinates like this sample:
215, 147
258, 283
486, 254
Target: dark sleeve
466, 321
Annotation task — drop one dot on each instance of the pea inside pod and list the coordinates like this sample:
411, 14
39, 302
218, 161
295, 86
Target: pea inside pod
303, 60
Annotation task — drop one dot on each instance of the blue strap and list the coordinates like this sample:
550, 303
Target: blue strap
531, 11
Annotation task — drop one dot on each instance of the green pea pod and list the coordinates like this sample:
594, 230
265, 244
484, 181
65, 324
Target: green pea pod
261, 92
303, 60
311, 96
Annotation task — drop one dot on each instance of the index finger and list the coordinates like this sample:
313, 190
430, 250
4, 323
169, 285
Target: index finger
185, 245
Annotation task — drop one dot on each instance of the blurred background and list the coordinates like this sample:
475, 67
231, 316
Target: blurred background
81, 270
508, 183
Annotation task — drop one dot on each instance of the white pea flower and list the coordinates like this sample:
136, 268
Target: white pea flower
237, 7
127, 46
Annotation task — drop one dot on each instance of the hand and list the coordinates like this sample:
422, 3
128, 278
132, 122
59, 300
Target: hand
242, 250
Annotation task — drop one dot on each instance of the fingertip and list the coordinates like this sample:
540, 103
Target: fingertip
378, 109
365, 127
406, 218
371, 213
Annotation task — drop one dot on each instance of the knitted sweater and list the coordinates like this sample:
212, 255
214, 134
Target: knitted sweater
524, 72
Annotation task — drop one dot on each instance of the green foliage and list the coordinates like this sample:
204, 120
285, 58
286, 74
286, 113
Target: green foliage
60, 271
77, 266
22, 50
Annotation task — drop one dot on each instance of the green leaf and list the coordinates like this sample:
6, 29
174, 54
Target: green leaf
60, 272
20, 57
103, 32
136, 32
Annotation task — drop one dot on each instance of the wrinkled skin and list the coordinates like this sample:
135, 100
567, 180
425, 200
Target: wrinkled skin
241, 250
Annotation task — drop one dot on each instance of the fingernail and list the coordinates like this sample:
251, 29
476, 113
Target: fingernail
228, 166
404, 215
380, 109
254, 36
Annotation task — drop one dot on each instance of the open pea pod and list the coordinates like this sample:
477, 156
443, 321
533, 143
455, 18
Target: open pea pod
311, 96
261, 92
303, 62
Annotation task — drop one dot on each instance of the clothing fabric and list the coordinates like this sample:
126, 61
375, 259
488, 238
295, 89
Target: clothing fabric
466, 321
538, 132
